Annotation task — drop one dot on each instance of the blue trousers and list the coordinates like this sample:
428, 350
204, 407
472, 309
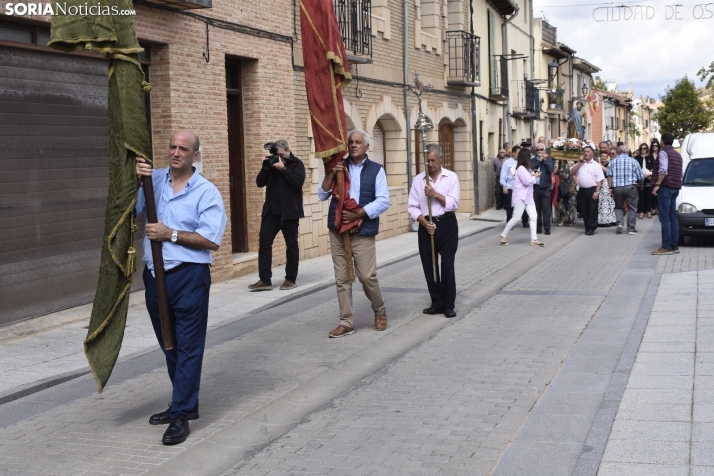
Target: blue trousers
187, 290
667, 206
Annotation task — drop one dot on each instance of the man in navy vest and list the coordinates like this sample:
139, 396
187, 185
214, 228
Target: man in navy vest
667, 177
368, 185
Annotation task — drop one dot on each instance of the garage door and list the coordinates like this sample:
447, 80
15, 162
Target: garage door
54, 176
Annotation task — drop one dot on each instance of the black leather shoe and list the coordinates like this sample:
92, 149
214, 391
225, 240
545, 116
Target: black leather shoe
547, 232
164, 418
433, 310
449, 313
176, 432
539, 230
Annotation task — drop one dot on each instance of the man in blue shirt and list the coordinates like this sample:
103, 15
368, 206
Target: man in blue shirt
191, 222
624, 176
368, 186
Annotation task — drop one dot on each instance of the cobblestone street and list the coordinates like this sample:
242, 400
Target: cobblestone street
551, 349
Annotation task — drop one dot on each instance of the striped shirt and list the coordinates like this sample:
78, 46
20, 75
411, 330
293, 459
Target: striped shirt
624, 171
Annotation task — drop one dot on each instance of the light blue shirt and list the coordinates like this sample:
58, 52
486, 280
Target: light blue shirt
381, 201
197, 208
506, 178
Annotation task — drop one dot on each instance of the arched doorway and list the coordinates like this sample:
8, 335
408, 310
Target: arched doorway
377, 147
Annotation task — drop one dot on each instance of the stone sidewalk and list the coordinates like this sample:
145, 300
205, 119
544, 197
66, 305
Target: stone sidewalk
665, 421
41, 352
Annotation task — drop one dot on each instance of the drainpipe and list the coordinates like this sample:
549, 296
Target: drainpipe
534, 121
474, 126
506, 51
406, 94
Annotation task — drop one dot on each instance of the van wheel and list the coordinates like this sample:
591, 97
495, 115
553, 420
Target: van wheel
680, 242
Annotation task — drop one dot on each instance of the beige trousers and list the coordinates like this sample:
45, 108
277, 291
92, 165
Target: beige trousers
365, 259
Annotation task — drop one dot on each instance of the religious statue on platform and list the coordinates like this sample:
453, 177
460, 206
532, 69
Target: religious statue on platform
575, 123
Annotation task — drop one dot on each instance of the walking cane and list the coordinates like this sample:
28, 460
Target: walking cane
435, 270
424, 124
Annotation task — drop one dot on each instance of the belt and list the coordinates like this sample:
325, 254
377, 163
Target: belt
441, 217
178, 268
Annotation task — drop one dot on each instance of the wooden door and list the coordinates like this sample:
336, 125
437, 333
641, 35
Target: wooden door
446, 141
236, 160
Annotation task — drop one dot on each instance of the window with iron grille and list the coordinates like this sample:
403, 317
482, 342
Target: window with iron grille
354, 18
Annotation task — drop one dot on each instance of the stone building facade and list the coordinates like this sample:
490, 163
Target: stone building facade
375, 102
225, 72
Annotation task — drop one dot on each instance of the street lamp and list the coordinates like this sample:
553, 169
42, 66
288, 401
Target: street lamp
552, 73
585, 88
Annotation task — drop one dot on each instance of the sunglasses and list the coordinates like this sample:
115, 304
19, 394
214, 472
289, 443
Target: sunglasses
540, 150
643, 148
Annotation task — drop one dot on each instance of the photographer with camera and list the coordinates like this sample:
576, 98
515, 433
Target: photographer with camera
283, 174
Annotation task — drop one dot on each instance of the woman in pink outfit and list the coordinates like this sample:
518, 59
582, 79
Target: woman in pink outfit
522, 198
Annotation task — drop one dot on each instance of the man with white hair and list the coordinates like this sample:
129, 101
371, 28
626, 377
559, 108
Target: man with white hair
368, 186
441, 187
497, 165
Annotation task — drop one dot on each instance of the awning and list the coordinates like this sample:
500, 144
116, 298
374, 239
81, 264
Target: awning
584, 66
556, 53
504, 7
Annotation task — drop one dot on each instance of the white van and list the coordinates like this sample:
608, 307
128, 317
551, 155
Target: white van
695, 202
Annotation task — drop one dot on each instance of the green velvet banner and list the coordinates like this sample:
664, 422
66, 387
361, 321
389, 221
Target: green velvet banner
115, 37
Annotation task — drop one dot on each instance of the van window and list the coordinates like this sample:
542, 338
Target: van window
700, 172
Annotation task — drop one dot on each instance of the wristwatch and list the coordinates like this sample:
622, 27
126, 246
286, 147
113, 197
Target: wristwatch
174, 236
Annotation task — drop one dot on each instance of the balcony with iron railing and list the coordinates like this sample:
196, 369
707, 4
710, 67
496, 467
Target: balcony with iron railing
464, 54
498, 80
550, 33
354, 18
556, 99
526, 102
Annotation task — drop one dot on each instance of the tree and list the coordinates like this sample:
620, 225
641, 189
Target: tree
599, 83
707, 74
682, 110
634, 128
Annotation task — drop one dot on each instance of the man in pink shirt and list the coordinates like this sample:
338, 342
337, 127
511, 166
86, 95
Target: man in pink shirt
443, 190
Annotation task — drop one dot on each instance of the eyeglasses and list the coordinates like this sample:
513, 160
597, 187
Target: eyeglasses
540, 150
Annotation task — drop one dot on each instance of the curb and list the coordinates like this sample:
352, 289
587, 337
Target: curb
40, 385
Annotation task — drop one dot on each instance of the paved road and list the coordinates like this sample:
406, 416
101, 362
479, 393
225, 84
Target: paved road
37, 352
490, 391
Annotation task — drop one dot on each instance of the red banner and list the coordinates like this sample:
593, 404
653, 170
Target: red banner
326, 71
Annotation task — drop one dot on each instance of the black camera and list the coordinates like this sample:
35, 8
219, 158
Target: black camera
273, 150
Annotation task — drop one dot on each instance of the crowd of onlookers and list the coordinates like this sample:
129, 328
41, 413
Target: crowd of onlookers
608, 187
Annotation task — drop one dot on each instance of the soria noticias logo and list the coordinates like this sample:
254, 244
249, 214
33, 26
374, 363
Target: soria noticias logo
57, 8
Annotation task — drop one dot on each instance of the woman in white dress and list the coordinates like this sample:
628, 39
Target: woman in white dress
605, 203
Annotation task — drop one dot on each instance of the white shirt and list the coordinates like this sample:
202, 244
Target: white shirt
589, 174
